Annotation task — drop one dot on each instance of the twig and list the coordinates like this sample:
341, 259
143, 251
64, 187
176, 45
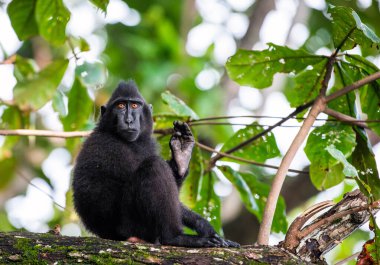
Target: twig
345, 118
205, 147
44, 133
10, 60
353, 86
278, 180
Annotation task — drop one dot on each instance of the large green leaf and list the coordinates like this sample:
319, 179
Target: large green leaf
307, 84
80, 107
253, 194
178, 106
36, 92
260, 150
364, 161
10, 119
348, 30
101, 4
208, 203
325, 170
257, 68
165, 121
52, 17
22, 16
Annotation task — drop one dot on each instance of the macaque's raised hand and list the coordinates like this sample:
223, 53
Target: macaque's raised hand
181, 145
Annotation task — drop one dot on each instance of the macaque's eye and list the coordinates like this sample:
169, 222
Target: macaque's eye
121, 106
134, 105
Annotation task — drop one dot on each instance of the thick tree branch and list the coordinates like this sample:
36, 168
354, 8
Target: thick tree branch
29, 248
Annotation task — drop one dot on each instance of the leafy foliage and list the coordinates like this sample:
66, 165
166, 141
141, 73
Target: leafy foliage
257, 68
36, 91
261, 150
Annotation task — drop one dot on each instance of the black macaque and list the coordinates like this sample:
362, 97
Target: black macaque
124, 189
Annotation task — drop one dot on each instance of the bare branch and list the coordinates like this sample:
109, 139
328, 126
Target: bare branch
353, 86
345, 118
270, 207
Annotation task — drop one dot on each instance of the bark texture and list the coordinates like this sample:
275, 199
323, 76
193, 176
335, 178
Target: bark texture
32, 248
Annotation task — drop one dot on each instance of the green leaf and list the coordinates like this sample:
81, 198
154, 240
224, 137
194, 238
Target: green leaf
364, 161
59, 104
22, 16
80, 107
254, 193
101, 4
324, 177
52, 17
8, 167
191, 186
344, 104
165, 121
307, 84
348, 30
165, 151
178, 106
325, 170
24, 68
208, 203
348, 169
92, 74
36, 92
257, 68
359, 68
260, 150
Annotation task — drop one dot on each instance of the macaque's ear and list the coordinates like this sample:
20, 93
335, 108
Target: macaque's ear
151, 108
102, 110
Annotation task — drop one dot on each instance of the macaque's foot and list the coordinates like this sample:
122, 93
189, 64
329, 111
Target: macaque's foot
181, 144
225, 242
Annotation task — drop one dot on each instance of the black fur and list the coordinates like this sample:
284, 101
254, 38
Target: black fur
123, 188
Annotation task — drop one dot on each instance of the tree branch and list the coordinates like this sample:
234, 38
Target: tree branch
270, 207
29, 248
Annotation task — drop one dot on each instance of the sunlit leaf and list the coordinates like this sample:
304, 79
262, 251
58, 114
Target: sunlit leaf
52, 17
165, 121
178, 106
348, 30
22, 16
254, 193
208, 203
260, 150
325, 170
92, 74
363, 159
307, 84
101, 4
80, 107
36, 92
257, 68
